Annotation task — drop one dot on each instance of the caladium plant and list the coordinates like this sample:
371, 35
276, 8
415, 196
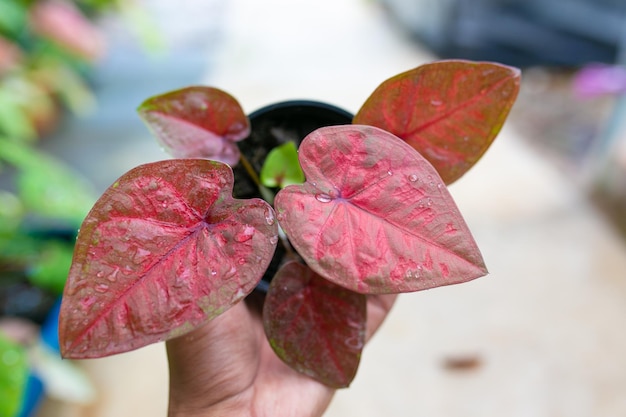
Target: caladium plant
359, 209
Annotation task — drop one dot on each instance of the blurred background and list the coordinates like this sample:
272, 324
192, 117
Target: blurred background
541, 336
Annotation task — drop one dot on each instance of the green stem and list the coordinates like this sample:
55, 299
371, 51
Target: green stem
265, 192
250, 169
268, 195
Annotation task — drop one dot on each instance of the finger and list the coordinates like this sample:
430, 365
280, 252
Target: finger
378, 307
215, 361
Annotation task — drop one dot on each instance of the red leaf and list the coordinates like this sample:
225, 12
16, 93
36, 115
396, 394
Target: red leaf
374, 216
197, 122
449, 111
164, 250
314, 326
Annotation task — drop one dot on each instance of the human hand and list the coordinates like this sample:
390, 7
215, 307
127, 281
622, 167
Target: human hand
227, 368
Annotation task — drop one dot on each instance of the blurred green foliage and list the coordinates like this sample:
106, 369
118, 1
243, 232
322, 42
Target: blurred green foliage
13, 376
46, 50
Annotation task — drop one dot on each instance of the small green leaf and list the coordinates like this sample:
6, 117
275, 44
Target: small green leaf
281, 167
13, 376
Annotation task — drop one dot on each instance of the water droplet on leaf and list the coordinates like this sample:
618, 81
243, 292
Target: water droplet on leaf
352, 323
101, 288
113, 276
274, 240
269, 217
354, 343
87, 302
413, 177
245, 234
323, 198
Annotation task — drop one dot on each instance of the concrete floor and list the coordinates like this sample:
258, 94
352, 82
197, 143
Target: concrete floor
541, 336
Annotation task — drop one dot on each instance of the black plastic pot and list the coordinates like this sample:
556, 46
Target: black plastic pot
272, 126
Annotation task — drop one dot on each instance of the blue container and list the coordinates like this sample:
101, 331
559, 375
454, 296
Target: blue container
35, 389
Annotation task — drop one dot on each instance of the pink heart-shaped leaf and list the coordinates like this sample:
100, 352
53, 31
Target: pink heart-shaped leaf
449, 111
165, 249
374, 216
197, 122
315, 326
